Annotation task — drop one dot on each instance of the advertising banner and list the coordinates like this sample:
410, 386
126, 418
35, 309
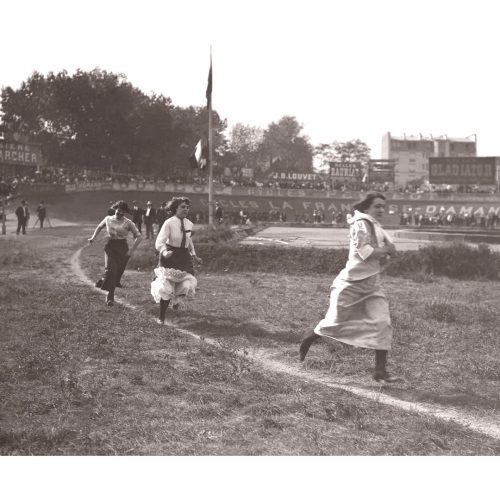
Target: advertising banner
350, 171
381, 171
462, 170
295, 176
17, 153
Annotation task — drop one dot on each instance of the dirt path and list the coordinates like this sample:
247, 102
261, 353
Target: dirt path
484, 425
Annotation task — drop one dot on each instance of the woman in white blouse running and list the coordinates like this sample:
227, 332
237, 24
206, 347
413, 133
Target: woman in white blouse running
116, 251
359, 312
175, 274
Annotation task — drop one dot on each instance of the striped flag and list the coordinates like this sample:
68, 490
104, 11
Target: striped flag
199, 157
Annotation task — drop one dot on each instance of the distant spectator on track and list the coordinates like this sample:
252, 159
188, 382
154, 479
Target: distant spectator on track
41, 211
149, 219
161, 215
219, 214
137, 214
23, 215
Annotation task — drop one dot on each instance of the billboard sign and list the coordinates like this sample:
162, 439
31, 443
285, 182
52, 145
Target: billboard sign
347, 170
18, 153
381, 170
295, 176
462, 170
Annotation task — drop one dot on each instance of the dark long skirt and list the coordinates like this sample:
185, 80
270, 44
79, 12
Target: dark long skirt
181, 259
115, 262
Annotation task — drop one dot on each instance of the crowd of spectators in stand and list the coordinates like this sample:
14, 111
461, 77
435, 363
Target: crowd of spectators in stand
61, 176
489, 220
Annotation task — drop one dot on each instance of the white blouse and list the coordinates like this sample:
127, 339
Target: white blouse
119, 229
171, 233
366, 234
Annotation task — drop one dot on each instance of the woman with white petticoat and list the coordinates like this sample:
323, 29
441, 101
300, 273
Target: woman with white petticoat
359, 312
175, 278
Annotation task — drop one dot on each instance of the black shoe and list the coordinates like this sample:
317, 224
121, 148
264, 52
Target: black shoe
385, 377
99, 283
110, 303
175, 307
305, 345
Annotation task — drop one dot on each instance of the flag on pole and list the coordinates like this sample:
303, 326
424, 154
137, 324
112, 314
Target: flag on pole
209, 85
199, 157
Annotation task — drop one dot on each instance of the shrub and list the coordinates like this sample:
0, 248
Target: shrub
457, 260
221, 253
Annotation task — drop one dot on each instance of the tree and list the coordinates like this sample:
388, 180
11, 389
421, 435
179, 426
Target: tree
246, 144
323, 154
285, 148
99, 120
354, 150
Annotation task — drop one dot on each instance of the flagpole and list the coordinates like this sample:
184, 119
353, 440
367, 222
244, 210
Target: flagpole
210, 147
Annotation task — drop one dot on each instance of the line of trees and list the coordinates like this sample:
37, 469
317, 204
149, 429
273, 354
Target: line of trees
99, 120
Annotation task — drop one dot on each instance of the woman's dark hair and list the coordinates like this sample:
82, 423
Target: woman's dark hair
174, 203
365, 203
120, 205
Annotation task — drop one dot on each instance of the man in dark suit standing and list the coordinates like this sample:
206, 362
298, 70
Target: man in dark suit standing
219, 215
149, 220
41, 210
22, 214
161, 215
137, 213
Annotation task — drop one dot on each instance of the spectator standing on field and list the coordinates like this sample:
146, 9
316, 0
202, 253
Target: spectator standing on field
41, 210
218, 213
161, 215
149, 219
23, 215
137, 214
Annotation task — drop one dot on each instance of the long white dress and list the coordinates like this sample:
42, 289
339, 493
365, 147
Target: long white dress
359, 312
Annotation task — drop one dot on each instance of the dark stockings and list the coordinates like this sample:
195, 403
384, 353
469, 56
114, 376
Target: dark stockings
306, 344
163, 308
380, 362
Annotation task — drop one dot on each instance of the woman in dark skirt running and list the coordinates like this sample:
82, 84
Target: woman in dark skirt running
175, 274
116, 251
359, 312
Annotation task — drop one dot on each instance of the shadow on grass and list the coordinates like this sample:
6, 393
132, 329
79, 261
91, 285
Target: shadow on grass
227, 326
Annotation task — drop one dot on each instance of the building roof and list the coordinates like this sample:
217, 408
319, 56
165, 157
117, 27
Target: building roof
421, 137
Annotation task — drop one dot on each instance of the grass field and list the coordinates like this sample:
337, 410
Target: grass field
84, 379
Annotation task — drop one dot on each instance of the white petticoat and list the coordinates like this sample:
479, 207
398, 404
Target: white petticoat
172, 284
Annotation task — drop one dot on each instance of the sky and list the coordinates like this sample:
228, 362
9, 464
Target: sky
345, 69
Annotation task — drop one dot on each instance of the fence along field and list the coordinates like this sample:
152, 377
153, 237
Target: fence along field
82, 379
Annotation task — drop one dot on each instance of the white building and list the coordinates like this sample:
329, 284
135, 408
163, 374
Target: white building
411, 153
